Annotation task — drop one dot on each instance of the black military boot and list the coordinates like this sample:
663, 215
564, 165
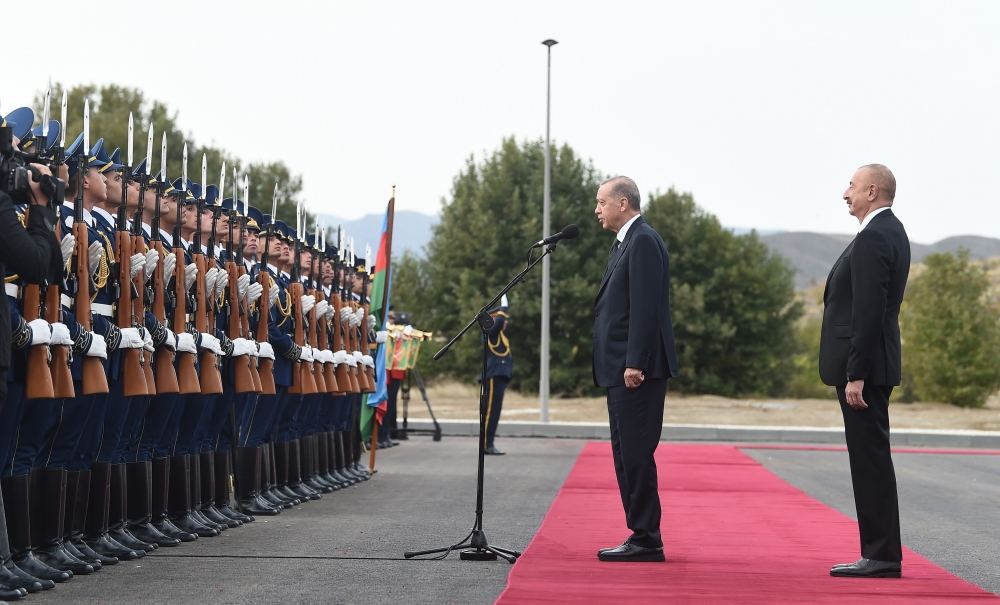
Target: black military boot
118, 513
295, 483
223, 496
248, 468
180, 499
340, 460
48, 498
280, 468
208, 480
344, 457
196, 495
81, 506
323, 463
12, 586
70, 529
139, 502
310, 466
333, 473
98, 508
18, 511
161, 503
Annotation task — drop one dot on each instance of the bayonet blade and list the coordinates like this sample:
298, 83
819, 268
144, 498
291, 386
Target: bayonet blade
246, 193
184, 168
62, 136
45, 116
163, 157
86, 128
368, 258
274, 204
149, 151
131, 159
222, 181
204, 176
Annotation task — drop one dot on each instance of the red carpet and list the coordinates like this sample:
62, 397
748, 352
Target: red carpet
733, 532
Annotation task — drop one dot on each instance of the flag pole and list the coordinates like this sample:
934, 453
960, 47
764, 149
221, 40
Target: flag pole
390, 214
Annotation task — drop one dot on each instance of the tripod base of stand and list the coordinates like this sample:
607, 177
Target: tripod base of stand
474, 554
480, 550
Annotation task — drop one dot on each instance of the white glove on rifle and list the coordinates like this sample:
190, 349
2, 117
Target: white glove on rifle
41, 333
131, 339
340, 357
306, 354
272, 295
98, 346
66, 247
94, 254
242, 285
152, 259
330, 310
353, 358
210, 281
147, 340
265, 351
381, 336
185, 342
221, 281
371, 323
345, 314
171, 340
210, 343
368, 361
169, 264
354, 320
137, 262
308, 302
323, 355
360, 314
190, 274
242, 346
254, 291
321, 307
60, 335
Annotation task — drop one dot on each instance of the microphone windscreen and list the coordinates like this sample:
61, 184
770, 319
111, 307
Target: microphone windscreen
570, 232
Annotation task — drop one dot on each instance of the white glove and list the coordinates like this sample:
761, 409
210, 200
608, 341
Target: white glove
353, 358
266, 350
345, 314
190, 274
340, 357
354, 320
330, 310
60, 335
253, 292
368, 361
308, 302
131, 339
221, 281
171, 340
169, 264
41, 333
67, 245
272, 295
360, 313
98, 346
210, 343
152, 259
321, 307
504, 302
137, 262
185, 342
242, 285
381, 336
94, 253
371, 323
323, 355
210, 281
147, 340
242, 346
306, 354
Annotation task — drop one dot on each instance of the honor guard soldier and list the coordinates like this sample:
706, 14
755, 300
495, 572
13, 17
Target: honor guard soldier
499, 369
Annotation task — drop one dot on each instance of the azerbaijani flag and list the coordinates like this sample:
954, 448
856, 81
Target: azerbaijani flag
377, 403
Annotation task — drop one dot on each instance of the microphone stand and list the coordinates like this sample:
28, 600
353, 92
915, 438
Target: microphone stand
478, 548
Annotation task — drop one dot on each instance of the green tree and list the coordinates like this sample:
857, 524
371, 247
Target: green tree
733, 302
951, 333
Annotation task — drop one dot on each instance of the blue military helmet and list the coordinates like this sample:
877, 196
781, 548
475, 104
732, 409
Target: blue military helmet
19, 121
228, 205
190, 197
310, 240
140, 170
255, 218
281, 230
75, 150
212, 195
331, 252
109, 163
36, 133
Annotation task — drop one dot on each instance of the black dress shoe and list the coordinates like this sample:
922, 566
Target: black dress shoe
631, 552
493, 451
22, 580
868, 568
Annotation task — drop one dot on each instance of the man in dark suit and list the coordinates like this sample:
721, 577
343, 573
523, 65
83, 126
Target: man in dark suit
633, 358
859, 354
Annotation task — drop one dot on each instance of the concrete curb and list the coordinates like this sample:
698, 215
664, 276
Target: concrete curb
707, 432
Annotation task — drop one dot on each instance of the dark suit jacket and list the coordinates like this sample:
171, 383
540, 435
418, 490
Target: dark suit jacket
632, 326
860, 335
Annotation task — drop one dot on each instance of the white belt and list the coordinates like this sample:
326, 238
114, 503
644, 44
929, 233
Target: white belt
67, 301
100, 309
11, 289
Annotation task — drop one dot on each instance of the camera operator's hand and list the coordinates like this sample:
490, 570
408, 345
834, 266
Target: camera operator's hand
39, 196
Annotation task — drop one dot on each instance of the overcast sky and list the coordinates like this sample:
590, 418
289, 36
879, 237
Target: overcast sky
761, 109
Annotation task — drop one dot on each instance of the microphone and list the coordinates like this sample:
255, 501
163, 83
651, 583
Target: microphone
568, 232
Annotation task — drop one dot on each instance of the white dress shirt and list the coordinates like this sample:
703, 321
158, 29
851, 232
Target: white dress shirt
868, 218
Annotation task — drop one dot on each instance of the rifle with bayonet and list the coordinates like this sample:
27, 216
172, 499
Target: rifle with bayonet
312, 335
343, 371
243, 365
302, 374
187, 374
139, 246
266, 365
211, 375
94, 380
323, 325
165, 373
365, 303
133, 372
244, 306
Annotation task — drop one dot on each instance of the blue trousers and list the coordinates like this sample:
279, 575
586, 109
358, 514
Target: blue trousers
153, 439
193, 423
92, 434
40, 419
288, 424
64, 450
114, 422
264, 418
10, 422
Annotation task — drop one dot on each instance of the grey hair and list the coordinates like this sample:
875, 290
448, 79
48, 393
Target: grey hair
624, 187
883, 179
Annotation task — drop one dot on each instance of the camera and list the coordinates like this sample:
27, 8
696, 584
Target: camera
15, 172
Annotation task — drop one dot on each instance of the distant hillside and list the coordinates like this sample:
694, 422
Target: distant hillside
411, 230
812, 254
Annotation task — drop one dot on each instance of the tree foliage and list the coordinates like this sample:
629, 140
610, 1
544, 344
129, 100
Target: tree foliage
109, 109
951, 336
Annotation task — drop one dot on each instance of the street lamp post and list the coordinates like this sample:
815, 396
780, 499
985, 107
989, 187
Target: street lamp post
543, 379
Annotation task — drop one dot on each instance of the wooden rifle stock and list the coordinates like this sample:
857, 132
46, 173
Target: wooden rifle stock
211, 377
245, 331
343, 371
266, 366
133, 375
363, 383
187, 375
312, 340
139, 312
166, 374
242, 375
323, 335
62, 374
95, 381
38, 379
302, 376
366, 349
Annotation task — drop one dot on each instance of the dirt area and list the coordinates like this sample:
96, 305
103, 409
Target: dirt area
457, 401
